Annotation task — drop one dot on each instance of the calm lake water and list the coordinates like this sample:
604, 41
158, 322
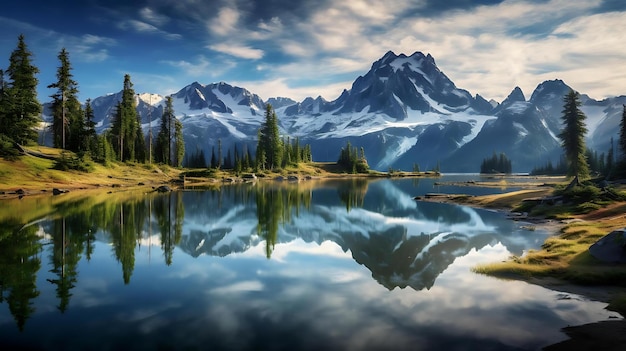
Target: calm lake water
335, 265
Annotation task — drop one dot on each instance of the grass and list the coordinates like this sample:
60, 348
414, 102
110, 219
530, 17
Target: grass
566, 255
35, 174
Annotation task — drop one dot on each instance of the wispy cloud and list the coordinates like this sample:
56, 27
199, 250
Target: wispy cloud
149, 15
232, 49
87, 48
200, 67
143, 27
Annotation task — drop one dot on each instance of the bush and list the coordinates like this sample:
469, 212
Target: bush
80, 163
579, 194
7, 148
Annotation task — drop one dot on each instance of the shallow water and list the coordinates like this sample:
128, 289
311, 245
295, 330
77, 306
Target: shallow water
350, 264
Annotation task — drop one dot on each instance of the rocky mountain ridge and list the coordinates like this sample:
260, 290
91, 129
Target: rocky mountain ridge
404, 111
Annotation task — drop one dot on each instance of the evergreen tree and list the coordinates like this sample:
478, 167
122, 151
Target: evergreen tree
350, 160
90, 135
4, 100
622, 136
213, 158
179, 143
67, 115
22, 110
573, 136
297, 151
125, 124
140, 143
162, 149
220, 159
269, 146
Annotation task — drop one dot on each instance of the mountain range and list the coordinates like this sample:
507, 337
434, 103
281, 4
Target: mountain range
404, 111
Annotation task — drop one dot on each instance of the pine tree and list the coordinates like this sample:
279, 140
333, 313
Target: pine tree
163, 147
213, 158
22, 110
573, 136
179, 143
90, 135
269, 146
622, 135
125, 124
140, 143
220, 159
67, 116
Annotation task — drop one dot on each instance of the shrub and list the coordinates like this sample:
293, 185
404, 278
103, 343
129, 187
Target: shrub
81, 163
7, 148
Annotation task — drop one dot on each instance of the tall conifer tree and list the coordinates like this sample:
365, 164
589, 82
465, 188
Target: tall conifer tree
22, 110
67, 120
573, 136
179, 144
270, 146
125, 124
622, 135
90, 135
162, 150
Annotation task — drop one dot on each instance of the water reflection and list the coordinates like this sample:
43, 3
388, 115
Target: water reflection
189, 263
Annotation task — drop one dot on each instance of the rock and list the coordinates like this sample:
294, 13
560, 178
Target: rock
164, 189
141, 184
20, 192
249, 177
57, 191
611, 247
293, 178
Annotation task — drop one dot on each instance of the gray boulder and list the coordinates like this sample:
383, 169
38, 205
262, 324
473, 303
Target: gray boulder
611, 248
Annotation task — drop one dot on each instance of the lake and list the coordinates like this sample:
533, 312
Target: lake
319, 265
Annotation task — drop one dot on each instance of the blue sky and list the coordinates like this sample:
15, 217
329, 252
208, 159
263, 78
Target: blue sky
308, 48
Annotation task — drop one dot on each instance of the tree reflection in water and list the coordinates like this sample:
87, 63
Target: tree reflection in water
403, 243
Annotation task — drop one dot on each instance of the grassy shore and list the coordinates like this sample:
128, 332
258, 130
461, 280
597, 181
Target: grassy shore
564, 263
35, 174
564, 258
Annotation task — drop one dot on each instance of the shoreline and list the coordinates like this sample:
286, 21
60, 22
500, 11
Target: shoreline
149, 178
603, 335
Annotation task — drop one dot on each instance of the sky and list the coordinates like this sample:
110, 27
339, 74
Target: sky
295, 49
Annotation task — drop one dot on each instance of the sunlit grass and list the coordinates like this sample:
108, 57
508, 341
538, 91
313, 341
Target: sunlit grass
566, 256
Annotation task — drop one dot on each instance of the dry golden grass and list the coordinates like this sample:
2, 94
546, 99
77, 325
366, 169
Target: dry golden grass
36, 175
566, 255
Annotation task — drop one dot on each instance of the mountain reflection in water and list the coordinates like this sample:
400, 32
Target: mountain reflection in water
270, 266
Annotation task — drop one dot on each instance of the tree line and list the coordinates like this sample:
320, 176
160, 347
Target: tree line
496, 164
577, 159
73, 127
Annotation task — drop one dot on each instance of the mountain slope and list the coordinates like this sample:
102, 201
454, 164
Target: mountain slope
403, 111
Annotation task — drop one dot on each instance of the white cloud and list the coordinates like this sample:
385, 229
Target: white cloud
492, 49
143, 27
225, 22
87, 48
198, 69
232, 49
148, 15
280, 87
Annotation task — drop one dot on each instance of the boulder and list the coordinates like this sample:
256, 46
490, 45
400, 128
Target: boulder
164, 189
57, 191
610, 248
